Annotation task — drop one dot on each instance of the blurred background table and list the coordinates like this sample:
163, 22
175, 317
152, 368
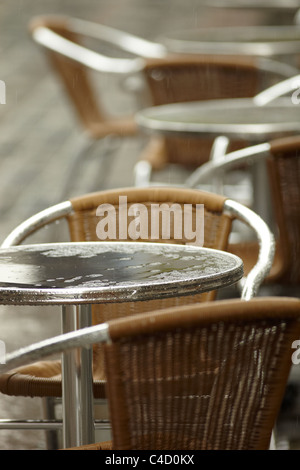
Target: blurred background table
234, 119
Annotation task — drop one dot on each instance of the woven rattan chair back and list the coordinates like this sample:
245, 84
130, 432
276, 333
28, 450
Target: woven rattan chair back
284, 171
79, 86
282, 194
197, 78
209, 376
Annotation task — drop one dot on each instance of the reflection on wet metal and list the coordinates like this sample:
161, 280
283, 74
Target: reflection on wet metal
233, 118
113, 269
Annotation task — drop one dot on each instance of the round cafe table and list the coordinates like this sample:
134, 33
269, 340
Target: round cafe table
77, 275
234, 118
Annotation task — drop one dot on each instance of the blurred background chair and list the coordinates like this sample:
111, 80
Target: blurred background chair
75, 68
282, 157
80, 217
189, 378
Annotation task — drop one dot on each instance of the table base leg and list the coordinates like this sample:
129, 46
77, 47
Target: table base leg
77, 379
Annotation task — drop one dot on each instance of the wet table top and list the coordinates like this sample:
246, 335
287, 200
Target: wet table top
95, 272
231, 117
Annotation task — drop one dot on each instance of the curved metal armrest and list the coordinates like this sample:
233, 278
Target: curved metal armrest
251, 283
36, 221
91, 59
214, 166
142, 174
278, 90
58, 344
121, 39
277, 67
297, 17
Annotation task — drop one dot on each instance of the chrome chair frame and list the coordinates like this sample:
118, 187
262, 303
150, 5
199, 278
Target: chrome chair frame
122, 40
226, 162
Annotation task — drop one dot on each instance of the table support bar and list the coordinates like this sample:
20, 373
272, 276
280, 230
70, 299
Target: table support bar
78, 415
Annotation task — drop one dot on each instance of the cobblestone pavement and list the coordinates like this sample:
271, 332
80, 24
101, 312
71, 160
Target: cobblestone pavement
40, 138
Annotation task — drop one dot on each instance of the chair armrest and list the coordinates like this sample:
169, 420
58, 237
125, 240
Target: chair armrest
75, 339
122, 40
215, 165
251, 283
36, 221
278, 90
84, 56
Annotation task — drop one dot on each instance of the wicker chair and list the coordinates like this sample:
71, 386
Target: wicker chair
207, 376
283, 163
43, 379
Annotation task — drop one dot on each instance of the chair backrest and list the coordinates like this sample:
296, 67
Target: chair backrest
284, 172
196, 78
208, 376
75, 76
283, 161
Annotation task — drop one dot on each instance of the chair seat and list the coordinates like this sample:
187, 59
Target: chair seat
41, 379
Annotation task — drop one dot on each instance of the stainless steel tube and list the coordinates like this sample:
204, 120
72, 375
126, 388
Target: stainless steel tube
78, 419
